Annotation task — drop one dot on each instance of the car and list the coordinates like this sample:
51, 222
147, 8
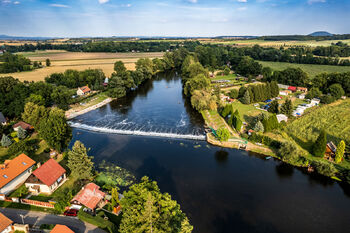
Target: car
71, 212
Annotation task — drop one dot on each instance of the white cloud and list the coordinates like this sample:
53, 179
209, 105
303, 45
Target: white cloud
16, 2
103, 1
59, 5
6, 1
242, 0
315, 1
192, 1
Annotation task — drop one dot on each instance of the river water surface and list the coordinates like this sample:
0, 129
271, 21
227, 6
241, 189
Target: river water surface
155, 132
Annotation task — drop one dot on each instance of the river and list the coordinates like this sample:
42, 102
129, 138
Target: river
155, 132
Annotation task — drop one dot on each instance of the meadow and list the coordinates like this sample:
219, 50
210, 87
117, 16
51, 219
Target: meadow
62, 60
311, 69
334, 118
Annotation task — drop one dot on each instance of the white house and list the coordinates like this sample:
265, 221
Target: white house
315, 102
83, 90
5, 224
13, 173
46, 178
282, 117
281, 86
301, 96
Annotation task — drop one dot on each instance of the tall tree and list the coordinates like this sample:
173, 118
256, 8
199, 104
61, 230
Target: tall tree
246, 98
55, 129
319, 147
287, 107
33, 113
259, 127
146, 209
48, 62
79, 162
5, 141
274, 107
21, 133
119, 67
339, 154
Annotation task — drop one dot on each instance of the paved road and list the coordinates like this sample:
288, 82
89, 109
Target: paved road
38, 218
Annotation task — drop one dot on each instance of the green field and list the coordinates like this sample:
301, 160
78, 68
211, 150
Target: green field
311, 70
334, 118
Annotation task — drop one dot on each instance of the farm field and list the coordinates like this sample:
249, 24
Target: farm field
333, 118
62, 60
263, 43
310, 69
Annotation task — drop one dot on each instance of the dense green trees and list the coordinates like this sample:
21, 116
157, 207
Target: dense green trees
34, 113
5, 141
55, 130
10, 63
270, 123
291, 76
319, 146
223, 134
247, 66
199, 82
287, 107
259, 127
246, 97
203, 100
274, 107
146, 209
48, 62
336, 90
314, 92
79, 162
21, 133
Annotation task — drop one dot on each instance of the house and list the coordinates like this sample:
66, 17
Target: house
61, 229
105, 83
13, 173
302, 89
331, 148
23, 125
46, 178
301, 96
83, 90
282, 86
292, 88
3, 120
5, 224
89, 196
285, 92
315, 102
282, 117
259, 77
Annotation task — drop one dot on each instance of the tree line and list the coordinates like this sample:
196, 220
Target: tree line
10, 63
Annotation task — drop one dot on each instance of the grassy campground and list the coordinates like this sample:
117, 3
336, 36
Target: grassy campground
311, 69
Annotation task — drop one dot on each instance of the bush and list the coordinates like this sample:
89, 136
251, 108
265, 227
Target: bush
266, 140
289, 151
223, 134
97, 220
47, 226
324, 168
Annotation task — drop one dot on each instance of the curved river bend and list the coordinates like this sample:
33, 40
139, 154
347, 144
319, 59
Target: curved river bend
221, 190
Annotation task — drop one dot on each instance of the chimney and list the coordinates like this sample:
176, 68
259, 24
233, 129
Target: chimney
38, 164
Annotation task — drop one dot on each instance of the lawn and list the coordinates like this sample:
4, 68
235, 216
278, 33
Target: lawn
247, 111
334, 118
225, 77
310, 69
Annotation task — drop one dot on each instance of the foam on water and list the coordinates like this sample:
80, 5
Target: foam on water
136, 132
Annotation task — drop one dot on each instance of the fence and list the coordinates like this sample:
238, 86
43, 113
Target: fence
37, 203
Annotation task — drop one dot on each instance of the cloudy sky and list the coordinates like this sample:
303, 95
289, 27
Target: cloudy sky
69, 18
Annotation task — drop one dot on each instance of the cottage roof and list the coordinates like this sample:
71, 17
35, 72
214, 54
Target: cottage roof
90, 195
23, 125
85, 89
332, 147
49, 172
2, 118
61, 229
13, 168
4, 222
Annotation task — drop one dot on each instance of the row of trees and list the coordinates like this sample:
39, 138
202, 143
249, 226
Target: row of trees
258, 93
232, 117
10, 63
338, 49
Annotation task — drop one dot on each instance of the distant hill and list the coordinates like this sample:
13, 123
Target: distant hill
321, 33
6, 37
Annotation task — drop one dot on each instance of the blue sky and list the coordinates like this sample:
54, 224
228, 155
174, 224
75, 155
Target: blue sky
74, 18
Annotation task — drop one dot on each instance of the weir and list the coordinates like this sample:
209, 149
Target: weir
136, 132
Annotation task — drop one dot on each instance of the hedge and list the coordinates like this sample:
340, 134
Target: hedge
97, 220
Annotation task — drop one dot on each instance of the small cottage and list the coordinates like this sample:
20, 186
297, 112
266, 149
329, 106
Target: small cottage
302, 89
46, 178
89, 196
281, 117
61, 229
83, 90
27, 127
5, 224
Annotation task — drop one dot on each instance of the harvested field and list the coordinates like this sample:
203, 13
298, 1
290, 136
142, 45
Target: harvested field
62, 60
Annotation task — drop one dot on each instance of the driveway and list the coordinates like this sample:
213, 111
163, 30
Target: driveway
38, 218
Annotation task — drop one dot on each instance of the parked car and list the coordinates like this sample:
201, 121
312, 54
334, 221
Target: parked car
71, 212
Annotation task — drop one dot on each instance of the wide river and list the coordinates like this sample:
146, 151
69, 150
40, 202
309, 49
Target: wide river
155, 132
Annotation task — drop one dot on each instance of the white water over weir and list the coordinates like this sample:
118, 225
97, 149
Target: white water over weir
136, 132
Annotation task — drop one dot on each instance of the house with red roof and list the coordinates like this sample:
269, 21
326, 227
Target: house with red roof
292, 88
46, 178
23, 125
5, 224
61, 229
83, 90
90, 196
13, 173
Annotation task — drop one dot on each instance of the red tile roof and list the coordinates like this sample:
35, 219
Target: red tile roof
61, 229
49, 172
85, 89
90, 195
24, 125
4, 222
292, 88
13, 168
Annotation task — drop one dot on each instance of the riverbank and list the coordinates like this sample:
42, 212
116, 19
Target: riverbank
80, 109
